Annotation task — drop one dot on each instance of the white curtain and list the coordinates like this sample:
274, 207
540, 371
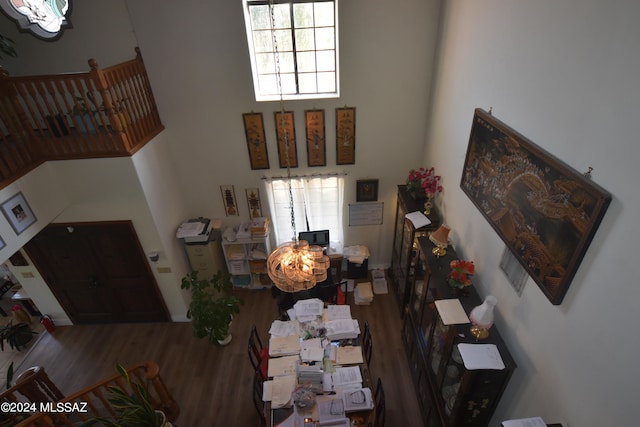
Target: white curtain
317, 203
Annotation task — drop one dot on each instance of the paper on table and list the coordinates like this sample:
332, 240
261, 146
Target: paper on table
309, 307
281, 390
280, 366
312, 354
525, 422
418, 219
284, 346
334, 312
451, 312
349, 355
347, 375
283, 329
481, 356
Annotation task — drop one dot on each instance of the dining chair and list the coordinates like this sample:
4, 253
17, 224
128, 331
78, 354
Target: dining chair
258, 403
367, 342
380, 403
258, 353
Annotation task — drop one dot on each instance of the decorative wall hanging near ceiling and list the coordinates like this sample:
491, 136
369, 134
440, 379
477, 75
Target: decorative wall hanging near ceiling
256, 141
345, 136
316, 146
253, 200
546, 212
284, 122
45, 19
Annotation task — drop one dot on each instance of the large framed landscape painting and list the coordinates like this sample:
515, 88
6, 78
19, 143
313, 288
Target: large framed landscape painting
546, 212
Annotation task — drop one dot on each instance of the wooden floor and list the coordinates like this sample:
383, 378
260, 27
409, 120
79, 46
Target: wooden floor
213, 384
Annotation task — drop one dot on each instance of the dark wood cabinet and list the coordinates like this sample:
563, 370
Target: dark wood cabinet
406, 251
450, 394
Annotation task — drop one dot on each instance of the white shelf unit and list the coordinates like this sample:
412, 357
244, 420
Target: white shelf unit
247, 262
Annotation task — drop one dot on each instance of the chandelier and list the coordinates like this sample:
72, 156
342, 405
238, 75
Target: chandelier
293, 266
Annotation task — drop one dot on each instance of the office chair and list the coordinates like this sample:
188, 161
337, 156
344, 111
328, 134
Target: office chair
367, 343
258, 354
380, 403
257, 396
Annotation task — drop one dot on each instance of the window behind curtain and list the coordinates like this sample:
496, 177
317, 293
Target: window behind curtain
317, 203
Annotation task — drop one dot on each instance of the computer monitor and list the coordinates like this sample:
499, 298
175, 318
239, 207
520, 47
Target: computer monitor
320, 237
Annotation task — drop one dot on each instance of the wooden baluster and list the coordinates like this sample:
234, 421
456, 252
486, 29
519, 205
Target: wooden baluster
102, 87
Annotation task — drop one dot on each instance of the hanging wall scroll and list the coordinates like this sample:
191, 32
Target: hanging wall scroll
256, 141
345, 136
283, 126
316, 147
229, 200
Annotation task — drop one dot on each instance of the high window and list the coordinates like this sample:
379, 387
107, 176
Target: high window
317, 205
306, 37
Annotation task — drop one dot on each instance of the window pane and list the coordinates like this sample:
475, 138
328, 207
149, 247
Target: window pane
268, 84
307, 83
326, 82
262, 41
260, 17
307, 62
286, 62
305, 40
325, 38
324, 14
265, 63
303, 15
288, 83
283, 38
326, 60
281, 15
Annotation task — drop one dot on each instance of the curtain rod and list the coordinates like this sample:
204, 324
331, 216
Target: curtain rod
313, 175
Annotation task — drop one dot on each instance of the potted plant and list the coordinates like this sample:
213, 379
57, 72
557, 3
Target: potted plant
212, 307
132, 404
17, 336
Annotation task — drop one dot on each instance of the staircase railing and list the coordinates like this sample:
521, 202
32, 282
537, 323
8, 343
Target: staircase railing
107, 112
93, 401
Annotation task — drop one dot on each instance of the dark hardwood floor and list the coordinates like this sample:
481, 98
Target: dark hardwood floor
213, 384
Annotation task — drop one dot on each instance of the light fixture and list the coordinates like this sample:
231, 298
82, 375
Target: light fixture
481, 318
293, 266
440, 238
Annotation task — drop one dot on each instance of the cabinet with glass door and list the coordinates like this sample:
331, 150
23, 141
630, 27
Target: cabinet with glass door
406, 251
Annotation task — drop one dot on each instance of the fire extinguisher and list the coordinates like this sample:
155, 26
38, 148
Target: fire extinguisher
48, 324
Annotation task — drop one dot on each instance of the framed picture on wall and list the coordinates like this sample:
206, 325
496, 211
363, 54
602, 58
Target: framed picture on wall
256, 141
253, 200
316, 147
18, 213
229, 200
286, 133
545, 212
345, 136
367, 190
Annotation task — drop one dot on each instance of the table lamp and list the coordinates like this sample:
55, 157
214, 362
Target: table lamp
440, 238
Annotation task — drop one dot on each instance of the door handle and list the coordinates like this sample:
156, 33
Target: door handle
93, 282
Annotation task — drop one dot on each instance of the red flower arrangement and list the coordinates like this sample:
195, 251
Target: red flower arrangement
424, 180
461, 271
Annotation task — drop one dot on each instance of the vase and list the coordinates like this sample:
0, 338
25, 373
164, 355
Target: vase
481, 318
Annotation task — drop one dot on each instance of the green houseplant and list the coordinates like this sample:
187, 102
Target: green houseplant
212, 307
17, 336
132, 405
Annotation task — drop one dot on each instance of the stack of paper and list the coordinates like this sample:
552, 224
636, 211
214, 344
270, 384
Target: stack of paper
279, 391
308, 309
311, 350
379, 282
335, 312
259, 227
363, 294
330, 408
244, 232
345, 378
311, 375
342, 329
281, 366
349, 355
189, 229
481, 356
284, 346
357, 400
281, 328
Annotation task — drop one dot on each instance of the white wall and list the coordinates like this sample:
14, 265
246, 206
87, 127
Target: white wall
200, 72
564, 74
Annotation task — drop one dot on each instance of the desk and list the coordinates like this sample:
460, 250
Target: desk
285, 416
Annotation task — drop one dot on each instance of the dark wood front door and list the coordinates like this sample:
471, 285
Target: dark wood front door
98, 272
